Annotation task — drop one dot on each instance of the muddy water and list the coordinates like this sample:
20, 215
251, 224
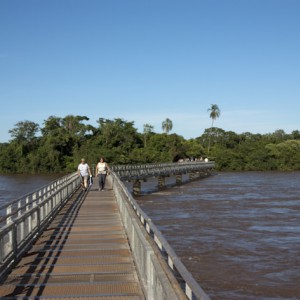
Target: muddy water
14, 186
237, 233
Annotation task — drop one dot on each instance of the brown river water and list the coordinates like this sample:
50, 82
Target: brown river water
237, 233
14, 186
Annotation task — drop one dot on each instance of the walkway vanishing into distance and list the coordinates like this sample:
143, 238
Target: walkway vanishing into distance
63, 243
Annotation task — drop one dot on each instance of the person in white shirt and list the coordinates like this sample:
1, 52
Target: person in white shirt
102, 169
84, 171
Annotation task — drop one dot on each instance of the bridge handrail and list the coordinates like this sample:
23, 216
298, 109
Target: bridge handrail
24, 224
179, 165
16, 207
191, 288
142, 171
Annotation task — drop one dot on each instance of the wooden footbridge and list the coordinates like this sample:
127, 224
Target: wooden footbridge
64, 243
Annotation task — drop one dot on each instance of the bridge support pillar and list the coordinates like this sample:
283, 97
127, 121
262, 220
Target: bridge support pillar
178, 178
193, 175
161, 182
137, 187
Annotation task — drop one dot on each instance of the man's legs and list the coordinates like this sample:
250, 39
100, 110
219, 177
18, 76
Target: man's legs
82, 182
85, 181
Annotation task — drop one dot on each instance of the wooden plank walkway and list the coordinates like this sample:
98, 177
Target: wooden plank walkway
83, 254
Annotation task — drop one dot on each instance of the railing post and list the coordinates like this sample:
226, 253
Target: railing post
8, 212
38, 217
188, 291
22, 223
29, 217
9, 221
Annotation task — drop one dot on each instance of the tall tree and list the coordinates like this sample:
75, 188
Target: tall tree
214, 114
24, 141
24, 131
118, 138
167, 125
147, 130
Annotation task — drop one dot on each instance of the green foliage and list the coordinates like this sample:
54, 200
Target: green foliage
8, 158
193, 149
64, 141
24, 131
286, 154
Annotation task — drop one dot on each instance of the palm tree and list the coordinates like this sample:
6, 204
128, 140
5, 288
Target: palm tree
167, 125
214, 114
147, 130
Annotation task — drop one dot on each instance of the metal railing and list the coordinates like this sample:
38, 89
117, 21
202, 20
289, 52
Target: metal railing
24, 219
127, 172
141, 252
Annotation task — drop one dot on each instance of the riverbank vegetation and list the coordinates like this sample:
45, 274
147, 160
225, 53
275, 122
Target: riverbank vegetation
59, 144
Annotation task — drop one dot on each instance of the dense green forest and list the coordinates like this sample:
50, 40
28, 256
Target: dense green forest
58, 146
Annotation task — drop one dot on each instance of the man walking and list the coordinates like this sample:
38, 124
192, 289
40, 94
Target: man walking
84, 171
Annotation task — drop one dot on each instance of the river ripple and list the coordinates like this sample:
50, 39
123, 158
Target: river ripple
237, 233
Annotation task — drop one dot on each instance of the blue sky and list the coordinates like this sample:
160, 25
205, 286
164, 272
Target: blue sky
145, 61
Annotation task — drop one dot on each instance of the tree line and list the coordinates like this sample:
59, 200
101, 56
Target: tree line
62, 142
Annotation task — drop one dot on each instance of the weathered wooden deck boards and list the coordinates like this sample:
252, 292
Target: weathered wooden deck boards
83, 254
